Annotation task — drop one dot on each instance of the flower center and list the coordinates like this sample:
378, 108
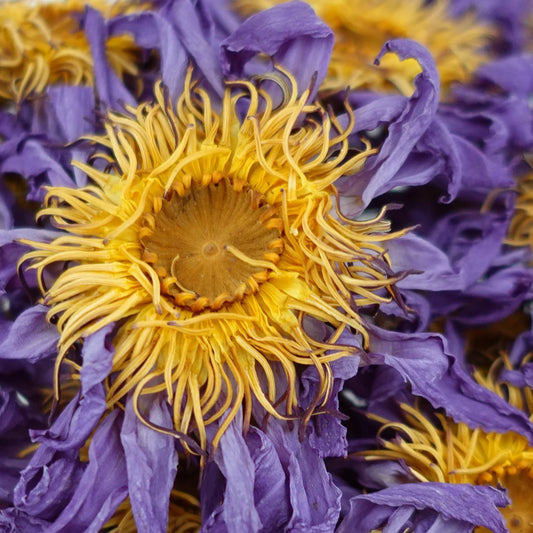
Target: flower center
212, 243
519, 515
517, 479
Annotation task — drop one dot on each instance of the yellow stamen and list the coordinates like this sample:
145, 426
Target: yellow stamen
183, 515
521, 228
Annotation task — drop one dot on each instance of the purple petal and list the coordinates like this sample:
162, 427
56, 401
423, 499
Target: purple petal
423, 361
30, 337
103, 485
315, 500
431, 267
28, 157
438, 141
152, 30
233, 458
510, 17
380, 171
491, 299
82, 414
270, 491
16, 521
304, 49
472, 240
197, 36
71, 114
454, 507
326, 433
513, 74
46, 485
11, 251
226, 21
66, 113
111, 91
151, 461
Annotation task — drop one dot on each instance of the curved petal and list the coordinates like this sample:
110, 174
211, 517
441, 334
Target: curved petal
151, 461
441, 506
304, 49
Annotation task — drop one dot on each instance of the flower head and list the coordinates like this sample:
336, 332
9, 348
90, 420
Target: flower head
207, 238
441, 450
459, 44
42, 44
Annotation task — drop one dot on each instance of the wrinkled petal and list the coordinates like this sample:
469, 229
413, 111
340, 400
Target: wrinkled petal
151, 30
81, 415
514, 74
111, 91
423, 361
380, 171
30, 337
197, 36
89, 509
450, 507
151, 461
326, 433
270, 491
304, 49
235, 463
489, 300
430, 266
314, 498
15, 521
46, 485
28, 158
